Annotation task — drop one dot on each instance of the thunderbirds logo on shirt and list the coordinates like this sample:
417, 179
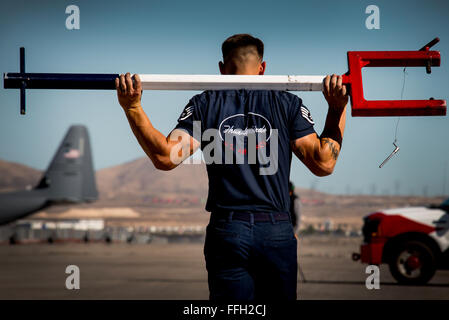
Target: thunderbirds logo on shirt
244, 138
306, 114
188, 111
241, 125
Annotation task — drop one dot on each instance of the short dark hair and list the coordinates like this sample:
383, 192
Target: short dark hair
239, 41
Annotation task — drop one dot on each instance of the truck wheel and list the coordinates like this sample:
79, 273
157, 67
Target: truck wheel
412, 263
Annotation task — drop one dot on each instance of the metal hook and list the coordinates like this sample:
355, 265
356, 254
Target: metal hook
391, 155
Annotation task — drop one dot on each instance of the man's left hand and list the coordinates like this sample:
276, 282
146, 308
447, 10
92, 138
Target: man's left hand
335, 93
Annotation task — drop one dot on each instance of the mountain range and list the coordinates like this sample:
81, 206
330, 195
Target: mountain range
178, 196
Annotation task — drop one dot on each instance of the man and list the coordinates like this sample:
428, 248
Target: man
295, 215
250, 247
295, 206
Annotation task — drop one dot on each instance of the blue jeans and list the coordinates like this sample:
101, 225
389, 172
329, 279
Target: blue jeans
251, 260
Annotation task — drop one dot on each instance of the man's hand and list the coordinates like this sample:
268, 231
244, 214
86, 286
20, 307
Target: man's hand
128, 94
335, 93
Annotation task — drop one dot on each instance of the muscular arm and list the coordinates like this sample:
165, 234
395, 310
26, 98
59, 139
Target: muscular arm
165, 152
320, 154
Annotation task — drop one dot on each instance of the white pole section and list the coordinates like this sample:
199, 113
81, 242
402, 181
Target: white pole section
220, 82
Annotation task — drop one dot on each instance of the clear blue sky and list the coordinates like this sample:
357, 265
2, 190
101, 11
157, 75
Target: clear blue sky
301, 37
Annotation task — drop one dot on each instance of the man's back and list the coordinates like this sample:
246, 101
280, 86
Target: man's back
247, 138
238, 183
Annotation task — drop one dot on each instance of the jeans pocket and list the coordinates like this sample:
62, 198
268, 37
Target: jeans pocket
280, 232
285, 242
222, 246
283, 255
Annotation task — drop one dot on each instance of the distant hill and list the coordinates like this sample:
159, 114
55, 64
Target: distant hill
15, 176
139, 182
178, 196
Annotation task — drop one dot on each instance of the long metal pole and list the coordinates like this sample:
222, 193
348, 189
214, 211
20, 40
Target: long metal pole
164, 81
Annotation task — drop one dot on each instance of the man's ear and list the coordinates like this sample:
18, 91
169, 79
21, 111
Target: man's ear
262, 67
221, 67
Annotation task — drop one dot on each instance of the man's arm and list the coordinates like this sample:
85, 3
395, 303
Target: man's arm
320, 154
165, 152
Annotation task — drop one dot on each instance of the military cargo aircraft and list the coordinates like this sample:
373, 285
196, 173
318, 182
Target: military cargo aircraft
70, 178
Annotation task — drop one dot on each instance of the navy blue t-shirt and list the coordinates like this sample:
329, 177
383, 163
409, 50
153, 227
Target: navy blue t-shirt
235, 115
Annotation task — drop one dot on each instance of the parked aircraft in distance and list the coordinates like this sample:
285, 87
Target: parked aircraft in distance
70, 177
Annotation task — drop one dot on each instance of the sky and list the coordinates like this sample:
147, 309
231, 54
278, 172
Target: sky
300, 37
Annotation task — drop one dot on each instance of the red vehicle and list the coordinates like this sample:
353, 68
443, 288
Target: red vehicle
413, 241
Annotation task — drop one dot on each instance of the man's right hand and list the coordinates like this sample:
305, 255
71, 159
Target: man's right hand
335, 93
128, 93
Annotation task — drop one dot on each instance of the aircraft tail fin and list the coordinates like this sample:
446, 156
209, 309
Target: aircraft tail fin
70, 175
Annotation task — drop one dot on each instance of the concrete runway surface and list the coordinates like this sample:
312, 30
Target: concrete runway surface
177, 271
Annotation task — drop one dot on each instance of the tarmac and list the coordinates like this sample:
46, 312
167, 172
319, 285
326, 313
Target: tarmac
172, 271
